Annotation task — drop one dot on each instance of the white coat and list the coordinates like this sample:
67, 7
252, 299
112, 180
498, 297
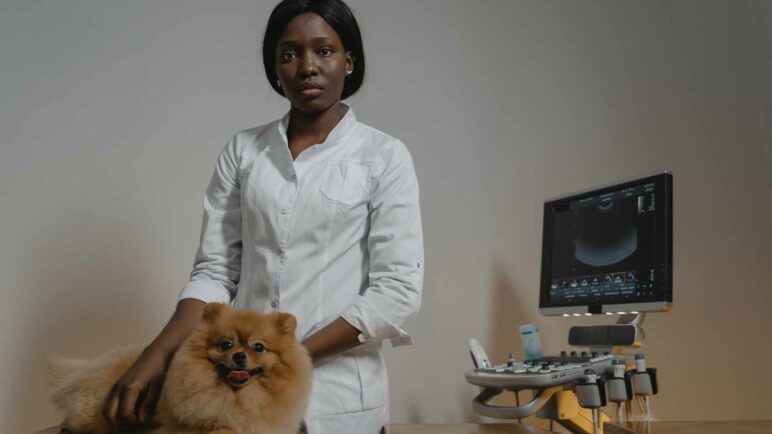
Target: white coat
334, 233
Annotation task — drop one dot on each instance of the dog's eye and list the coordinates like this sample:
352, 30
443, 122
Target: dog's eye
226, 345
259, 347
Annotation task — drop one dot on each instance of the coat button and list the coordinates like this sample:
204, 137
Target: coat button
274, 304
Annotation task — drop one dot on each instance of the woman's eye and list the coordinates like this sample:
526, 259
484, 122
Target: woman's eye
287, 55
325, 52
259, 348
226, 345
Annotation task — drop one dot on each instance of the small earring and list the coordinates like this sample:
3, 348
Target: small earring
349, 72
278, 83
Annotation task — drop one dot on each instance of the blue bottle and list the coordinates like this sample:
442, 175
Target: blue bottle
530, 341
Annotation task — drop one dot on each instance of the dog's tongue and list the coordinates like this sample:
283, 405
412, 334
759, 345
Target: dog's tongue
239, 376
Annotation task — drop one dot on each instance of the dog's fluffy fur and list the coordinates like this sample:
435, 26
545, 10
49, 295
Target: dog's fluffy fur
205, 390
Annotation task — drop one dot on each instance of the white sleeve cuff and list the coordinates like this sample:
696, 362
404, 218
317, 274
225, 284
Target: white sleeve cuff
208, 291
373, 325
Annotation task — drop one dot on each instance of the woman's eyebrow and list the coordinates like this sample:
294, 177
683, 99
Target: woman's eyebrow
295, 43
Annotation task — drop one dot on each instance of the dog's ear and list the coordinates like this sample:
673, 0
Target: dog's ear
213, 310
286, 323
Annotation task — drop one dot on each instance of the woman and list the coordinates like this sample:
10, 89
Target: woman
315, 214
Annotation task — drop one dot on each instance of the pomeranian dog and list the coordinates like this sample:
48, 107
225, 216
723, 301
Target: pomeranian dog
239, 372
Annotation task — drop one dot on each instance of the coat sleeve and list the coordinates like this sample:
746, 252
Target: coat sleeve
217, 264
395, 245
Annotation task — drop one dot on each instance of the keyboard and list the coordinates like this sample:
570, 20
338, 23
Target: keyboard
541, 373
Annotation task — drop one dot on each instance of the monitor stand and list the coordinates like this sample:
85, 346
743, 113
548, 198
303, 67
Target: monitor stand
627, 332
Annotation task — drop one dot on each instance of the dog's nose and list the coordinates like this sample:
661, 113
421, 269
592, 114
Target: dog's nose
240, 358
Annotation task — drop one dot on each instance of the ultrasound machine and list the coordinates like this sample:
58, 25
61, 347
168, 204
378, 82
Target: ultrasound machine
605, 251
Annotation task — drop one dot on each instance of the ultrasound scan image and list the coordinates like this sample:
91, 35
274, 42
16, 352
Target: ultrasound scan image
606, 237
601, 237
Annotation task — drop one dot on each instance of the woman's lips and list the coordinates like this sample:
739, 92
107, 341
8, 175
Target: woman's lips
311, 91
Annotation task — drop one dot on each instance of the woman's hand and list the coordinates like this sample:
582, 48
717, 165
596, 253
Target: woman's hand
133, 398
333, 338
132, 401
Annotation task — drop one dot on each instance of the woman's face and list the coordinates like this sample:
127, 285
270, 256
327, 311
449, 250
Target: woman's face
311, 63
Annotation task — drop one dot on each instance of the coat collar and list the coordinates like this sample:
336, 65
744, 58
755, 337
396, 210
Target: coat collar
336, 136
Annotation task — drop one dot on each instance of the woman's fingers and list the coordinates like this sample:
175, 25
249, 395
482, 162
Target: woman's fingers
110, 409
127, 406
147, 406
132, 400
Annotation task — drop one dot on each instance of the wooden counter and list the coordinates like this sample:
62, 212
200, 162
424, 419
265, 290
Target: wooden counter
695, 427
659, 427
465, 429
437, 429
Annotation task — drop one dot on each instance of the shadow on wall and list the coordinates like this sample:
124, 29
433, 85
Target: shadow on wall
86, 295
507, 312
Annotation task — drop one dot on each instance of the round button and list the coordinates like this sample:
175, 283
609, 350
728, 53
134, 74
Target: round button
274, 304
284, 211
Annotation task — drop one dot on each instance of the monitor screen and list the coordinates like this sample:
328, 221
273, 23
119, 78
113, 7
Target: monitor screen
609, 249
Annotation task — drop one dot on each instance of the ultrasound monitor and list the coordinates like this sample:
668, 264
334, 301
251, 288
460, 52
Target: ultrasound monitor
609, 249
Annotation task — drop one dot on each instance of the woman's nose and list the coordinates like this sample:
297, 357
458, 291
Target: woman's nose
308, 65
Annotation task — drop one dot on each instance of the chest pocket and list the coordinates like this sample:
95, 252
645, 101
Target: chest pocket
346, 183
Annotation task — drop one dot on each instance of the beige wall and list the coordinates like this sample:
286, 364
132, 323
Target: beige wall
112, 113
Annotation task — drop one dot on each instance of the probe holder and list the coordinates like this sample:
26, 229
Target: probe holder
627, 332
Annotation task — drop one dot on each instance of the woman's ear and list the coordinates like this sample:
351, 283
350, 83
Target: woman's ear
349, 63
213, 310
286, 323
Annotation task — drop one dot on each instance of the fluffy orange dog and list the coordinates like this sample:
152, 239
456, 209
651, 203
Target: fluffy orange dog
239, 372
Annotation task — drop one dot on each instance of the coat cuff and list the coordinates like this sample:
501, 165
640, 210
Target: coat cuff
208, 291
373, 325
